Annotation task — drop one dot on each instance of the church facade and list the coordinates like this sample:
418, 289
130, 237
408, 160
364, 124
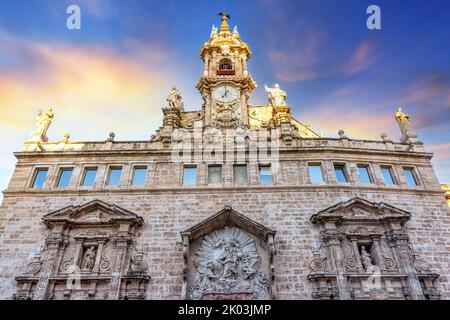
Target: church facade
232, 201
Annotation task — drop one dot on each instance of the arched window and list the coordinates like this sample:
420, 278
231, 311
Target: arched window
225, 67
225, 64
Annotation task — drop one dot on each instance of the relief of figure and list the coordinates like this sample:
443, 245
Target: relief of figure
366, 259
43, 121
229, 261
89, 258
207, 276
174, 99
403, 122
277, 97
247, 266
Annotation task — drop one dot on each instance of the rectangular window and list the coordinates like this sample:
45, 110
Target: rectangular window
315, 173
240, 174
190, 176
410, 177
387, 175
64, 177
265, 175
115, 173
139, 176
39, 178
339, 170
214, 174
364, 174
89, 177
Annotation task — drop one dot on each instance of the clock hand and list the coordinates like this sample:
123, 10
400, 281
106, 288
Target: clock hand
226, 93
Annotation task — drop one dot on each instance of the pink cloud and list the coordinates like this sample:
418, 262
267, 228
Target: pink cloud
295, 61
362, 58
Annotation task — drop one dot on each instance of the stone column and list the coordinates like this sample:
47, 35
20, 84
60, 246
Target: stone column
400, 243
53, 243
378, 252
333, 239
122, 243
355, 249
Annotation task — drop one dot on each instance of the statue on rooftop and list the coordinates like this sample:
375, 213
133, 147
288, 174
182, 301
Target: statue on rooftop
403, 123
43, 121
277, 97
174, 99
403, 120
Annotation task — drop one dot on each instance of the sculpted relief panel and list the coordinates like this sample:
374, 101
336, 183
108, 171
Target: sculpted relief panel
90, 253
228, 263
365, 253
228, 257
226, 115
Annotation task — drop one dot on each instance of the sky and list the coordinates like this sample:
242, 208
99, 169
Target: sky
116, 71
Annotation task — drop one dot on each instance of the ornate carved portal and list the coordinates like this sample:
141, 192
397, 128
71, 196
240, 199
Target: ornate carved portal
90, 253
228, 257
366, 254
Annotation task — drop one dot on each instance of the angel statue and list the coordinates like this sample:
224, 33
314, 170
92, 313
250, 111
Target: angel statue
43, 121
277, 97
174, 99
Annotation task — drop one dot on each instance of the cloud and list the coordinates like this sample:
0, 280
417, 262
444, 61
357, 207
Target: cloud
99, 8
307, 60
93, 90
439, 147
441, 153
293, 61
429, 92
356, 122
362, 58
84, 84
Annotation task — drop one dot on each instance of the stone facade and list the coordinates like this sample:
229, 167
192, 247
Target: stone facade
277, 235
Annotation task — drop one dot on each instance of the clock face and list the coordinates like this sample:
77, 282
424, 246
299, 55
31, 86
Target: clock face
225, 93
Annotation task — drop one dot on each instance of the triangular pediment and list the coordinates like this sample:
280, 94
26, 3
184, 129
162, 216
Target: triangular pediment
228, 217
94, 212
359, 209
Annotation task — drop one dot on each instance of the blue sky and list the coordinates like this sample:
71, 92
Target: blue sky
120, 65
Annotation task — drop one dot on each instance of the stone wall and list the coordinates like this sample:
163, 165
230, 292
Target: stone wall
167, 214
168, 209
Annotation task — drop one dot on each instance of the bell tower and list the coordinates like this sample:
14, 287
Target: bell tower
225, 84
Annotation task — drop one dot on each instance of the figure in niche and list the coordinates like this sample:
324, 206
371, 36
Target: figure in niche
89, 258
366, 259
277, 97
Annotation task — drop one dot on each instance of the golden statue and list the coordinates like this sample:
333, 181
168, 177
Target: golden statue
403, 122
